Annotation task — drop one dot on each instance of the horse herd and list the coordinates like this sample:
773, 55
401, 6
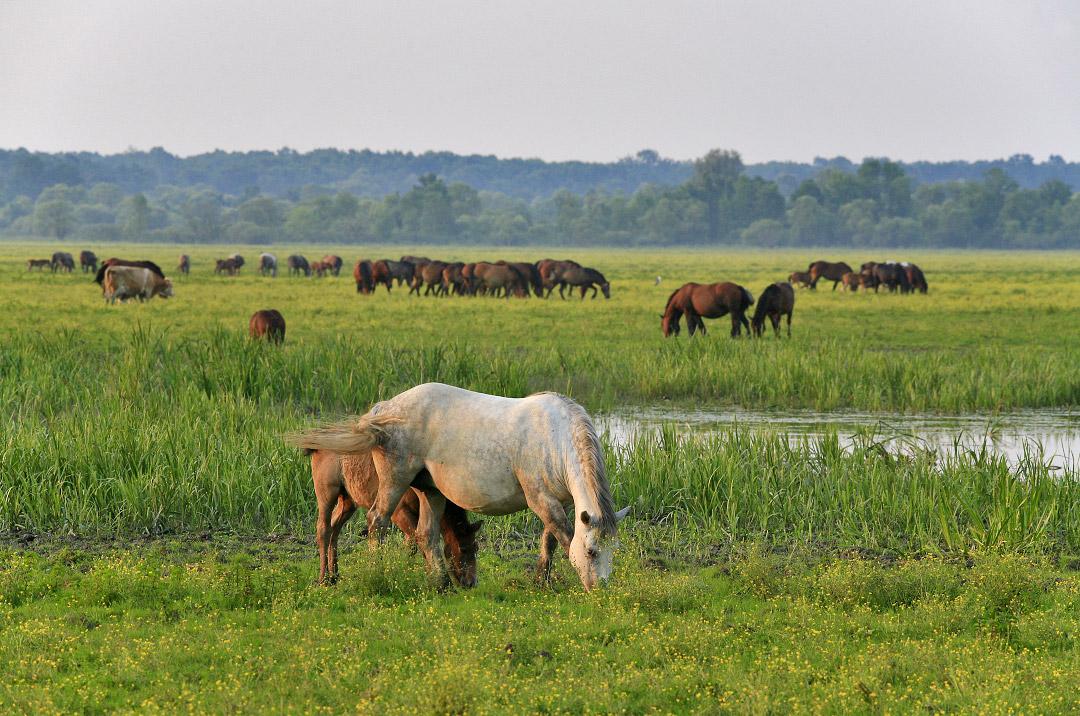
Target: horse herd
903, 276
65, 262
432, 277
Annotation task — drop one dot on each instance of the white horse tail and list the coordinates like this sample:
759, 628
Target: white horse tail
590, 466
351, 437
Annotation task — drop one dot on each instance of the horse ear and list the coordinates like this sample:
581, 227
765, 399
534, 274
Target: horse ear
585, 517
622, 513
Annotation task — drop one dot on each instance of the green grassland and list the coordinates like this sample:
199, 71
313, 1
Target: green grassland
130, 432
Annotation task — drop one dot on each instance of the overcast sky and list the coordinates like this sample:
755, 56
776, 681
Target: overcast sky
558, 80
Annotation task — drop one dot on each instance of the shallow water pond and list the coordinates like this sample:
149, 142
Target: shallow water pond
1055, 434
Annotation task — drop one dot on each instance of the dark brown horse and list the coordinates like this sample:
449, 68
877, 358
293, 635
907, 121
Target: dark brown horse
298, 264
363, 274
121, 262
345, 482
889, 274
775, 301
380, 274
431, 274
400, 271
584, 278
269, 324
502, 277
228, 266
88, 261
532, 276
712, 300
829, 271
184, 266
915, 277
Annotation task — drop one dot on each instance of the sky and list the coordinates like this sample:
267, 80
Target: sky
591, 80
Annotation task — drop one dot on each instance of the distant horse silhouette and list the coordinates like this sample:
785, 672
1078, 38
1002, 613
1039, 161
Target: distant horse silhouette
712, 300
775, 301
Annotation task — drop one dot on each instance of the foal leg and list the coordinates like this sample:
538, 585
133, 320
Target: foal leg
789, 324
429, 534
345, 510
326, 498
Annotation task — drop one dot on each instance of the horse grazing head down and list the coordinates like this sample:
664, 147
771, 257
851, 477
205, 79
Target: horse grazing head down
592, 547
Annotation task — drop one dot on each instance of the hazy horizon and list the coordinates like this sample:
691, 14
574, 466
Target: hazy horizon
959, 81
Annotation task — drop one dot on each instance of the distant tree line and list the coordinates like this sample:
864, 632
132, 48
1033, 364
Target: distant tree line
718, 202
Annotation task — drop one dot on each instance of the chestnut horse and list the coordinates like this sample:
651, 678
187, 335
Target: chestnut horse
775, 301
269, 324
829, 271
350, 481
712, 300
363, 274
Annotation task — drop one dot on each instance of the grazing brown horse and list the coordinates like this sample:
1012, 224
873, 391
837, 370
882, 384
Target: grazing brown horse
431, 274
850, 281
551, 272
452, 282
585, 278
184, 266
350, 481
364, 275
504, 277
915, 277
799, 278
775, 301
380, 274
63, 261
889, 274
121, 262
712, 300
332, 263
228, 266
868, 281
400, 271
88, 261
269, 324
38, 264
531, 275
298, 264
829, 271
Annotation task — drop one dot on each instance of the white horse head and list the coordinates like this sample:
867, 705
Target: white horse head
591, 549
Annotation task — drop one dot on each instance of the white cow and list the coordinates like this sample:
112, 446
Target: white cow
124, 282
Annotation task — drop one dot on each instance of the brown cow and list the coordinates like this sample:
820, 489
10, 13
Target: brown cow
100, 277
269, 324
123, 282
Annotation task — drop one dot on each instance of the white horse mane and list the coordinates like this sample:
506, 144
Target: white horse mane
587, 445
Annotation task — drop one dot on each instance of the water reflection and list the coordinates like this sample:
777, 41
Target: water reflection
1056, 433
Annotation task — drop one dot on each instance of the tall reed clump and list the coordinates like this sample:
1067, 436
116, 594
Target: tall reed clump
738, 484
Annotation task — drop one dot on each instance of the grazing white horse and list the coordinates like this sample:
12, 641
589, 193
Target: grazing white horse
491, 455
